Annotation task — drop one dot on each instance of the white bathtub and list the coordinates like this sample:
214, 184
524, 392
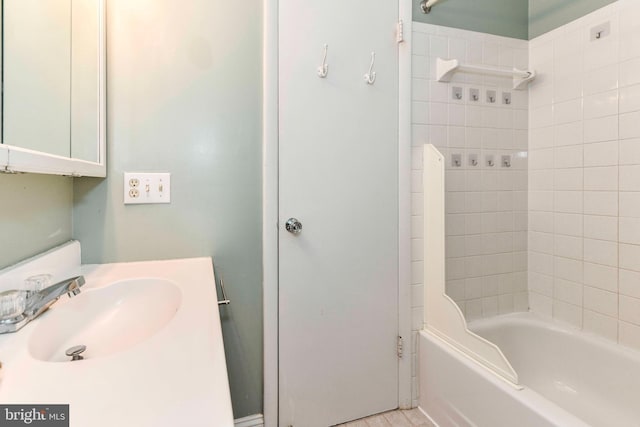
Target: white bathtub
570, 379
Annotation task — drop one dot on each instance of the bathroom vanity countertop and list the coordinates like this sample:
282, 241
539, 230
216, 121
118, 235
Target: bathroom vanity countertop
177, 376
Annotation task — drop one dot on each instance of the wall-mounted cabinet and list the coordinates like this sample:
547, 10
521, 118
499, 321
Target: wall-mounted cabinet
53, 98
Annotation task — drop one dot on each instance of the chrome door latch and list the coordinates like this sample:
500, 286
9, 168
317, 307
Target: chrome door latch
293, 226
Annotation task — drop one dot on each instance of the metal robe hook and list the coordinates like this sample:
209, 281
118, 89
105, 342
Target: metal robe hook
323, 69
370, 77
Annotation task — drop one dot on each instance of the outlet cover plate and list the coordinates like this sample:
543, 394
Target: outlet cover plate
144, 188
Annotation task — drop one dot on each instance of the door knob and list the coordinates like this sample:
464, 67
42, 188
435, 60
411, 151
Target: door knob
293, 226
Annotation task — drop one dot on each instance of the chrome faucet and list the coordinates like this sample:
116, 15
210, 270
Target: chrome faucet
38, 302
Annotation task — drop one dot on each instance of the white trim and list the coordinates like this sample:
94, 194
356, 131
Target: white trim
250, 421
405, 399
270, 211
101, 170
4, 158
431, 420
26, 160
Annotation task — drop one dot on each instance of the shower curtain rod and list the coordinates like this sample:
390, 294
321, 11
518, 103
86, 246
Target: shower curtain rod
426, 5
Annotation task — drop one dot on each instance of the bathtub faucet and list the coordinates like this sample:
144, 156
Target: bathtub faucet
38, 302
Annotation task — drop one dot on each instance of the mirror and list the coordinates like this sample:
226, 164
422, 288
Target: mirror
53, 77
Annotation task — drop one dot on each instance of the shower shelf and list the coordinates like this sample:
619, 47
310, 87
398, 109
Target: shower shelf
445, 69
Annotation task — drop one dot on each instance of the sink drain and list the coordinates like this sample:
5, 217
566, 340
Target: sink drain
75, 352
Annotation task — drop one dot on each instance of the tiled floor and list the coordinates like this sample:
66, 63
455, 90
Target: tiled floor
399, 418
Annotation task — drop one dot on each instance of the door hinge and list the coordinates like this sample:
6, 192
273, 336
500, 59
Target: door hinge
400, 347
400, 32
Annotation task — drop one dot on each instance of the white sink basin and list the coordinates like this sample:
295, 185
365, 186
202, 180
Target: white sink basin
107, 320
141, 322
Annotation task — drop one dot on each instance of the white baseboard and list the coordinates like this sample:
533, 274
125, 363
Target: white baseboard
250, 421
428, 416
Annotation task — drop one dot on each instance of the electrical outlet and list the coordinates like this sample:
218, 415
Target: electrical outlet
142, 188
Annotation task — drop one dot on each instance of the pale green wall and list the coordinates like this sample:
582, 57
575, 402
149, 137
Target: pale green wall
501, 17
35, 214
546, 15
522, 19
185, 96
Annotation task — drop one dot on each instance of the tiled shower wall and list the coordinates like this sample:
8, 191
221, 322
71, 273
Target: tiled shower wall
584, 182
486, 220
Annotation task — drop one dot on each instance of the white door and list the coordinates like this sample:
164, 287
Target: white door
338, 278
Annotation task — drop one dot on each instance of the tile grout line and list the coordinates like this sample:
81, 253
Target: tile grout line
618, 192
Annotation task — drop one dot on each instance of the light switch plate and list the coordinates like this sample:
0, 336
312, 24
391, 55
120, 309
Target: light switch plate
144, 188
